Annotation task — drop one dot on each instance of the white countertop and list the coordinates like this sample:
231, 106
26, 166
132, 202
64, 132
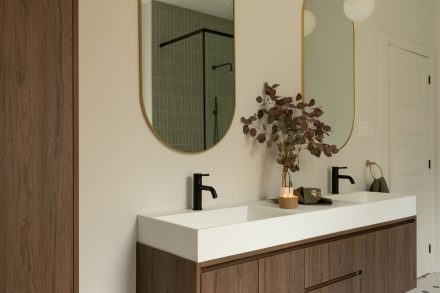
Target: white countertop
219, 232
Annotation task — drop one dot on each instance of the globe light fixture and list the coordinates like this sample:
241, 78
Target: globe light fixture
309, 22
359, 10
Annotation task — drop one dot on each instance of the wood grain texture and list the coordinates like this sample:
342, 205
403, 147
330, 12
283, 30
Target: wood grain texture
332, 260
317, 265
282, 273
352, 285
375, 261
345, 256
389, 260
403, 264
75, 61
158, 271
36, 146
342, 264
241, 278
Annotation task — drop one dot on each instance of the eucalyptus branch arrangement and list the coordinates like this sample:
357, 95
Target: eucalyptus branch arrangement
291, 125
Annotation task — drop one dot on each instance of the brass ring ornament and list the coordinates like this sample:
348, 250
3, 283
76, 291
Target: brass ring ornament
370, 164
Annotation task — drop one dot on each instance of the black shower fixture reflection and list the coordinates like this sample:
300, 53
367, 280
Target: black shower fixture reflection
229, 64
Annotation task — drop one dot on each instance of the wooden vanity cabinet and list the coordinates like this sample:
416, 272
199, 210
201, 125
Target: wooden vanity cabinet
379, 258
240, 278
282, 272
389, 260
351, 285
332, 260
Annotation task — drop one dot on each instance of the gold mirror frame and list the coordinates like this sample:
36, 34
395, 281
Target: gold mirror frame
354, 71
141, 87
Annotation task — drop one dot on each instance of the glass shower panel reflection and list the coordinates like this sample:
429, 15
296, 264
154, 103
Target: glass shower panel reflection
189, 102
178, 94
193, 89
219, 86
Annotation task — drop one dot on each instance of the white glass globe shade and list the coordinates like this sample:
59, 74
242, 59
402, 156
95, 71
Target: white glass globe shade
358, 10
309, 22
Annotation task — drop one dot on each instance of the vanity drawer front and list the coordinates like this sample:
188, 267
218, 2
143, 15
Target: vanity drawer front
240, 278
332, 260
352, 285
282, 273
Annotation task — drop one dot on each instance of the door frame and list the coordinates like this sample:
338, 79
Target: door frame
387, 40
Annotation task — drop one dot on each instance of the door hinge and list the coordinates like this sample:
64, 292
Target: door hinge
429, 164
429, 248
429, 79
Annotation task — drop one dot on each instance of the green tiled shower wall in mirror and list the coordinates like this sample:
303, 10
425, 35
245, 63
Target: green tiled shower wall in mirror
191, 108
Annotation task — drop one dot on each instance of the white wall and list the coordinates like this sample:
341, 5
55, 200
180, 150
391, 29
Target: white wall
125, 171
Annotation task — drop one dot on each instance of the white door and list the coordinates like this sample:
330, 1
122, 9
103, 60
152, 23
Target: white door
412, 138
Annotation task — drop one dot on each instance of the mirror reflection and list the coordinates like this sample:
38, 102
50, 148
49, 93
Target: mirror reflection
187, 71
328, 69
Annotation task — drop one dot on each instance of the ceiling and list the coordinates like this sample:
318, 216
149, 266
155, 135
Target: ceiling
220, 8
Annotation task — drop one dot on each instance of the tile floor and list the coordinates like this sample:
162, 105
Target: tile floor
428, 284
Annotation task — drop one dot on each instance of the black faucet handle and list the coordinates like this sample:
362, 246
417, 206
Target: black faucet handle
198, 176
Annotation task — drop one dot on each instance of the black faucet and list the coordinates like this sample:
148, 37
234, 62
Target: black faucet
336, 177
197, 191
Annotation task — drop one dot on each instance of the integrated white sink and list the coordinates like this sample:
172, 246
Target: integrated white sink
363, 197
206, 235
222, 217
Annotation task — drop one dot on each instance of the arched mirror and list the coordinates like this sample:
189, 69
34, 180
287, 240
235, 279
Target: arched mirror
328, 65
187, 71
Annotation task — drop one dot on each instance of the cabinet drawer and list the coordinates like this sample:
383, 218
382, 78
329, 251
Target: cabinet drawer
332, 260
389, 260
352, 285
241, 278
282, 273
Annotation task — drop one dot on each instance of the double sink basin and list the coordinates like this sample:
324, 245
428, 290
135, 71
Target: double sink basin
211, 234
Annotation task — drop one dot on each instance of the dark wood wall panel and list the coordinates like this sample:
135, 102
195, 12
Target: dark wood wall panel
36, 146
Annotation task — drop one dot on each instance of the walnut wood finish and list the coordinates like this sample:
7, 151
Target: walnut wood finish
403, 263
316, 265
389, 260
36, 146
352, 285
282, 273
75, 60
241, 278
158, 271
332, 260
345, 256
375, 261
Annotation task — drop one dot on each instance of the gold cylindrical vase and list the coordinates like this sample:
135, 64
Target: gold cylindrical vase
287, 199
